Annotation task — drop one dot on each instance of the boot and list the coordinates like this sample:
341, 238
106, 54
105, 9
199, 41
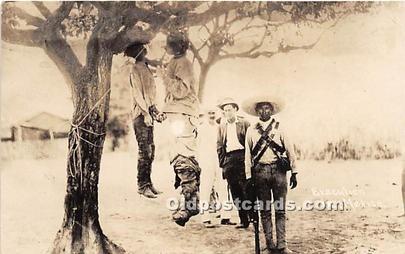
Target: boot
154, 190
268, 251
285, 251
147, 192
270, 246
181, 217
242, 226
227, 222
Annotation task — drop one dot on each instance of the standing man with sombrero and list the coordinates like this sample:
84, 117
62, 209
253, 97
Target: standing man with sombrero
271, 156
231, 154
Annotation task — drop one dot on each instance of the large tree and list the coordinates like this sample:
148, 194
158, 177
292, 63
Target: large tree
111, 26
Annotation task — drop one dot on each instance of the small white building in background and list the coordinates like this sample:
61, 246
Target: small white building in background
41, 126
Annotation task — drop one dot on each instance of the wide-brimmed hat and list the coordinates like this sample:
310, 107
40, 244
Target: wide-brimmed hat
249, 105
228, 101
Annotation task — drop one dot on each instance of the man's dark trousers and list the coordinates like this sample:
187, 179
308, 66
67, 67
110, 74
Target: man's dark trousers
234, 173
269, 179
146, 151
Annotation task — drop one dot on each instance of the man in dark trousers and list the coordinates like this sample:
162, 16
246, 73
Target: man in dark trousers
271, 165
144, 113
181, 108
231, 155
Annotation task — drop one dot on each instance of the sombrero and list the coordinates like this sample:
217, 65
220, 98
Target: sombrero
249, 105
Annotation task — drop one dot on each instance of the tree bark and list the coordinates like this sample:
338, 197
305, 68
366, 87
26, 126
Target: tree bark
81, 231
202, 80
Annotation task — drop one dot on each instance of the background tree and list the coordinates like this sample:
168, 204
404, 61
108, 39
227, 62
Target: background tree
259, 29
107, 28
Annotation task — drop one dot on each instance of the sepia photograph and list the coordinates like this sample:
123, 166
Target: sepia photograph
209, 127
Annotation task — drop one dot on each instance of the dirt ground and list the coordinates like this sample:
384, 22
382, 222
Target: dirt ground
32, 193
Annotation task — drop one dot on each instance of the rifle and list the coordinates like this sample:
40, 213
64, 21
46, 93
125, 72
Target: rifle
255, 214
257, 152
252, 195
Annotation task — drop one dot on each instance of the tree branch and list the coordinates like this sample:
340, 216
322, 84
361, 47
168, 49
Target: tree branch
58, 49
10, 34
252, 53
204, 43
135, 14
177, 7
55, 20
196, 54
216, 23
30, 19
229, 22
92, 48
226, 18
288, 48
339, 16
248, 26
42, 9
215, 10
130, 35
248, 52
64, 57
29, 38
102, 7
51, 41
207, 28
124, 16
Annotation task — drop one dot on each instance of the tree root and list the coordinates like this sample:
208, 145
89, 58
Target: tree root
99, 244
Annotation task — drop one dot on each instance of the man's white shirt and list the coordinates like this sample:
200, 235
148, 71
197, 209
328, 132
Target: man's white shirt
232, 141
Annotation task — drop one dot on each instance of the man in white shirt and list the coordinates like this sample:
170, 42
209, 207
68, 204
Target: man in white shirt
210, 171
269, 174
231, 155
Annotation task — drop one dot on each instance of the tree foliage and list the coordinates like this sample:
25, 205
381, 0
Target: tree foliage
81, 20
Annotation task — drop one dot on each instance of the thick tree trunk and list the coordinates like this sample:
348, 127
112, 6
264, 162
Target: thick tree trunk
81, 231
201, 81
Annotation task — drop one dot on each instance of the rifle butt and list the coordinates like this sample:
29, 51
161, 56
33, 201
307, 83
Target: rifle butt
257, 237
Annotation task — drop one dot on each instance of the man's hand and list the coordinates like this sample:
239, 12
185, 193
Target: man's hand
293, 180
148, 120
161, 117
156, 115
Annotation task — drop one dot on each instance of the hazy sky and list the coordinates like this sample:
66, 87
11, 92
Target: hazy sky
351, 82
353, 79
